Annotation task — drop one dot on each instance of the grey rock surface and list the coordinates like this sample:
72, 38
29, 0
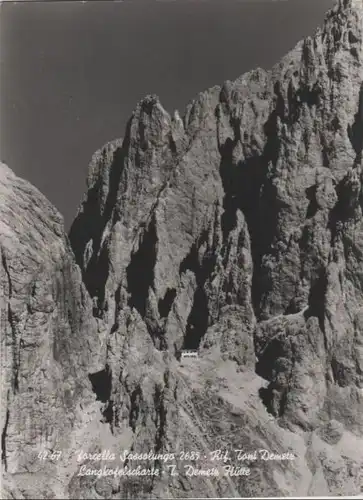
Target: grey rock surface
236, 230
49, 339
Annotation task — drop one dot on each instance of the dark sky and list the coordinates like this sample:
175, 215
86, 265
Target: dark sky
71, 73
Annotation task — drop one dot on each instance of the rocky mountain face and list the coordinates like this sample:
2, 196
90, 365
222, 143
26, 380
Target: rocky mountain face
49, 340
236, 230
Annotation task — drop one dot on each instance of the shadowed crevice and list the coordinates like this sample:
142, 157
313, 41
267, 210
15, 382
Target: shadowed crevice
161, 413
135, 403
3, 439
140, 271
102, 384
197, 321
316, 300
355, 132
166, 302
202, 267
313, 206
274, 396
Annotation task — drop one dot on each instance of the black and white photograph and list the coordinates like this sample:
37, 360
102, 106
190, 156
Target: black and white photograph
181, 243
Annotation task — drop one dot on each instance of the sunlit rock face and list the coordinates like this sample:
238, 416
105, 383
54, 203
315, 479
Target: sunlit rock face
49, 339
236, 230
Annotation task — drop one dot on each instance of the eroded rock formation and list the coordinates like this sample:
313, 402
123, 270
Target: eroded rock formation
49, 340
237, 230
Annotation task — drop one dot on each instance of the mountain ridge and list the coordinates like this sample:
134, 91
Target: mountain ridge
235, 230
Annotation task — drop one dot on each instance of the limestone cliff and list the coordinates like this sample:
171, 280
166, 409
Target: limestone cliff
237, 230
49, 341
